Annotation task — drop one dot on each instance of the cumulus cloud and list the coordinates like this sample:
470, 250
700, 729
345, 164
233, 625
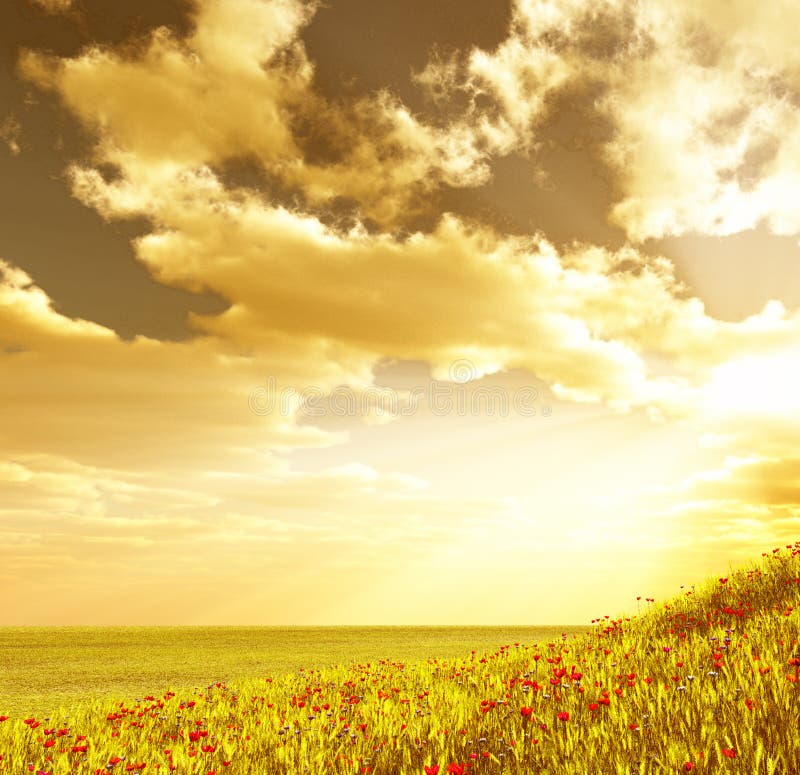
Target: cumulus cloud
706, 128
588, 321
583, 320
706, 132
706, 121
504, 302
240, 86
701, 97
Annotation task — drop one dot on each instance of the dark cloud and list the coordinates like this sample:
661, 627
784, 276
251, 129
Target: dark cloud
562, 188
361, 46
84, 264
767, 482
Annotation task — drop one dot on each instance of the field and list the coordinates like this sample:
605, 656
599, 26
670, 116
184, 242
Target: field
42, 668
706, 682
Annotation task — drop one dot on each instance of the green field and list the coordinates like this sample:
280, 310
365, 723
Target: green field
42, 667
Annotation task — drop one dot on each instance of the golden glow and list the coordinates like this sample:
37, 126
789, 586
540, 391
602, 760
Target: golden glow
756, 384
356, 236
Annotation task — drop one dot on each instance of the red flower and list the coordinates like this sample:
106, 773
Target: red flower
729, 752
526, 711
563, 716
688, 766
456, 769
432, 770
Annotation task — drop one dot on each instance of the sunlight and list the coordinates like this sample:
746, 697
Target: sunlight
760, 384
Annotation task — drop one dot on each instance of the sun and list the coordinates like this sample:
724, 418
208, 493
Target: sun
756, 384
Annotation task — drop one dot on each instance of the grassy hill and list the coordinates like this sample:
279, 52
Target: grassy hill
706, 682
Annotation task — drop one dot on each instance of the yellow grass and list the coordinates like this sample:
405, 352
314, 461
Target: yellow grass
706, 682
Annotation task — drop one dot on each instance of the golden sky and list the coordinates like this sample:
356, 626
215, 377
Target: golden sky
383, 313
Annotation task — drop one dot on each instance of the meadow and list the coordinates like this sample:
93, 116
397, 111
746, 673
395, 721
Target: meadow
43, 668
706, 682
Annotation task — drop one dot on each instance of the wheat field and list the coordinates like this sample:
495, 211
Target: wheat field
704, 682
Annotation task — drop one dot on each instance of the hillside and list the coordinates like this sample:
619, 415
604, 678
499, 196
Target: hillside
705, 682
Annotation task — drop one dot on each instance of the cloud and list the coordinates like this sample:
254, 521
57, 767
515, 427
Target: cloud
10, 134
749, 496
240, 87
584, 320
54, 6
702, 99
505, 91
147, 455
764, 481
503, 302
706, 127
69, 529
746, 502
168, 116
706, 132
76, 390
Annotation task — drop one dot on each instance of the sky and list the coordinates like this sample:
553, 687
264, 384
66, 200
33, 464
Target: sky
383, 313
